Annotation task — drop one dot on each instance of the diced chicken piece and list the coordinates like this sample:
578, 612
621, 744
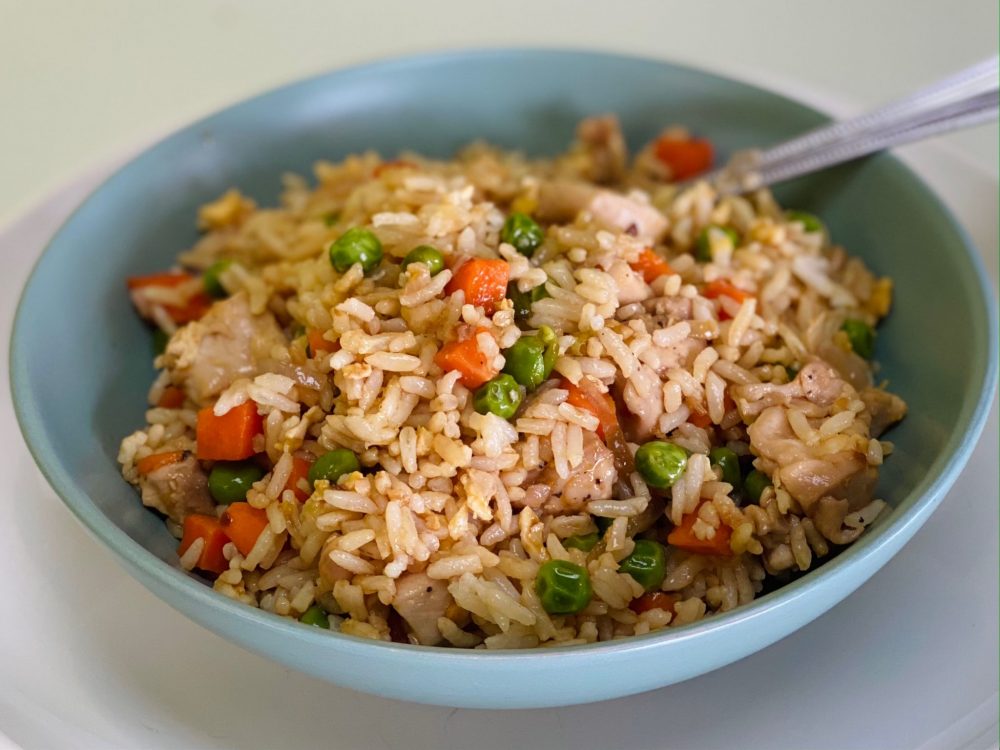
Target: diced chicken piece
593, 479
817, 383
628, 215
560, 201
642, 396
808, 477
885, 408
207, 355
177, 490
602, 141
772, 438
631, 286
844, 475
828, 518
421, 600
535, 496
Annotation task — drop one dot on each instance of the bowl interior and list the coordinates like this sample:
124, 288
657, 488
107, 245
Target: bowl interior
81, 359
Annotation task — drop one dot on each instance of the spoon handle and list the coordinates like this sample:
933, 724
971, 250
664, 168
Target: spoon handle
970, 97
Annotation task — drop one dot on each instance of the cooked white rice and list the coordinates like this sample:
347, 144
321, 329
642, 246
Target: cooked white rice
444, 533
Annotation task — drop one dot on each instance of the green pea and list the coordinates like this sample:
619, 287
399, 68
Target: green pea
862, 337
729, 462
524, 300
316, 616
429, 256
523, 232
647, 564
356, 245
210, 279
500, 396
332, 465
531, 359
564, 588
585, 542
228, 482
160, 339
660, 463
810, 222
703, 244
755, 484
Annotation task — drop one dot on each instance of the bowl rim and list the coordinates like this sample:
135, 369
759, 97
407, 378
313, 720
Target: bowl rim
918, 504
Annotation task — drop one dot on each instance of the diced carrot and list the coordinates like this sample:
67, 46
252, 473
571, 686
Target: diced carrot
463, 355
393, 164
195, 306
319, 344
651, 265
683, 537
194, 309
700, 419
229, 437
168, 279
653, 600
243, 524
685, 157
483, 280
209, 529
171, 398
601, 405
722, 288
300, 471
149, 464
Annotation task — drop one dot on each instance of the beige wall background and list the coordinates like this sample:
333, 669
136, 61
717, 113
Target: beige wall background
83, 80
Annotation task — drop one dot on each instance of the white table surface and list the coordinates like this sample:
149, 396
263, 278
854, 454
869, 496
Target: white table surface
88, 658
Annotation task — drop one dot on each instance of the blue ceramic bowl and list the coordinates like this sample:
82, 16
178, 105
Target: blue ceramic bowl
75, 400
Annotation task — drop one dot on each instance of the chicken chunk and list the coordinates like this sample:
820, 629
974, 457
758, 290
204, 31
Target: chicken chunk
843, 475
602, 142
593, 479
562, 200
808, 477
885, 409
177, 490
628, 215
828, 517
420, 600
817, 384
207, 355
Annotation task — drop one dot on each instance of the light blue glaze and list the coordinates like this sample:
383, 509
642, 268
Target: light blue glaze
80, 358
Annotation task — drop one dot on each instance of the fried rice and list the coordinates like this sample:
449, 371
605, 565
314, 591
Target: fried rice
716, 325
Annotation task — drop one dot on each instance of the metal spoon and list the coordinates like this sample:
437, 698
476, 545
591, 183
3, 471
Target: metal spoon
970, 97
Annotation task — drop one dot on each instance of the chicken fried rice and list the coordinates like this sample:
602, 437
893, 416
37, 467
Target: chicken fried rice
499, 402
